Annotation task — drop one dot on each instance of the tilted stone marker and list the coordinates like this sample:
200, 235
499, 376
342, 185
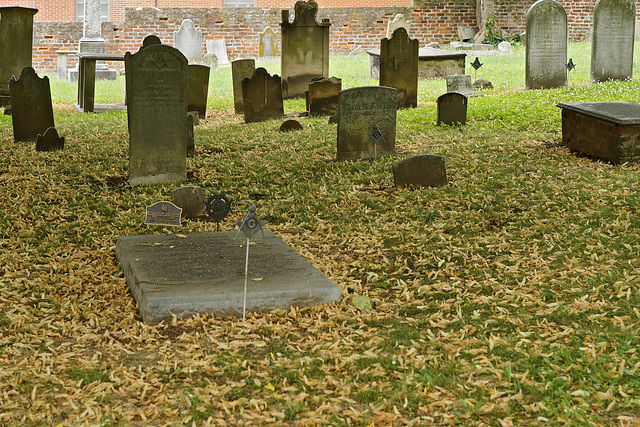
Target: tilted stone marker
460, 84
546, 50
305, 48
16, 45
262, 97
192, 201
203, 273
398, 21
268, 43
360, 110
157, 79
32, 112
240, 69
188, 40
198, 89
50, 141
218, 48
322, 98
452, 109
613, 36
426, 170
399, 67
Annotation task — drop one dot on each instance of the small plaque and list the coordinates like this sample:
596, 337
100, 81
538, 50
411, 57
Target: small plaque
163, 213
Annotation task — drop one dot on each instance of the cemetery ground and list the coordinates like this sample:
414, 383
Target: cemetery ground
508, 297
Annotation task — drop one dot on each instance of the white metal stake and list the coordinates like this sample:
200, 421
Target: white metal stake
246, 275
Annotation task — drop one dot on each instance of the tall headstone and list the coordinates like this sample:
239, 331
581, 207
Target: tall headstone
240, 69
92, 40
157, 79
399, 67
366, 122
262, 97
322, 98
398, 21
198, 89
546, 50
452, 109
305, 48
612, 43
16, 45
188, 40
31, 109
268, 44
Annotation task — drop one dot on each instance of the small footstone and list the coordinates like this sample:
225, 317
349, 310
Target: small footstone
50, 141
290, 125
421, 171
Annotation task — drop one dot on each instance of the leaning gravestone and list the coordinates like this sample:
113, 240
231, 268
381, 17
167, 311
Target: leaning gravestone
546, 50
192, 200
268, 44
460, 83
157, 79
322, 98
218, 48
612, 43
262, 97
198, 89
398, 21
305, 49
366, 122
426, 170
32, 112
452, 109
50, 141
399, 67
16, 45
240, 69
188, 40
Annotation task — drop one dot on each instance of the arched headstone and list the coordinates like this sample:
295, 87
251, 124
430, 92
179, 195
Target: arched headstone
31, 109
399, 67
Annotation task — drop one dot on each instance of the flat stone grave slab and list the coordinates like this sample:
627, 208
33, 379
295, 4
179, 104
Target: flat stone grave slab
203, 273
432, 63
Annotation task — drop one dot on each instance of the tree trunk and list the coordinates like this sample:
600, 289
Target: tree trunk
485, 10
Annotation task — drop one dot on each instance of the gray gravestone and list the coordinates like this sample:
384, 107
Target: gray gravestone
262, 97
504, 48
460, 83
31, 109
16, 45
305, 49
157, 79
465, 33
192, 200
218, 48
50, 141
188, 40
93, 42
452, 109
360, 111
198, 89
268, 44
612, 43
399, 67
421, 171
546, 50
398, 21
241, 69
323, 96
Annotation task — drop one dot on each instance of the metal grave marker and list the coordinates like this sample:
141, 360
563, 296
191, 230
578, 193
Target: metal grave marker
164, 214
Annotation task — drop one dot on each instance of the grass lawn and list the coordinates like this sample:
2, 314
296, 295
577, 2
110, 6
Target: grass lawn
509, 297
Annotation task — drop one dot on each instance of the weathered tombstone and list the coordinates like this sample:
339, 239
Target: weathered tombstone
322, 98
366, 122
465, 33
50, 141
290, 125
195, 117
305, 49
482, 84
452, 109
399, 67
16, 45
218, 47
157, 79
612, 43
198, 89
32, 112
546, 51
191, 140
240, 69
398, 21
504, 48
188, 40
262, 97
426, 170
192, 200
268, 44
151, 40
93, 42
460, 83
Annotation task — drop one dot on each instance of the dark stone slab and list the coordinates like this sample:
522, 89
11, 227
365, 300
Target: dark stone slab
240, 69
432, 63
16, 44
262, 97
618, 112
192, 200
290, 125
198, 89
452, 109
399, 67
32, 112
50, 141
322, 97
421, 171
203, 273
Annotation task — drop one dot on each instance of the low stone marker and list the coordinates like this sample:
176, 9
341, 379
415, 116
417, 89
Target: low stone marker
366, 122
240, 69
399, 67
268, 43
50, 141
262, 97
452, 109
203, 273
612, 44
188, 40
198, 89
191, 134
322, 98
608, 130
426, 170
31, 109
192, 200
460, 84
290, 125
218, 48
